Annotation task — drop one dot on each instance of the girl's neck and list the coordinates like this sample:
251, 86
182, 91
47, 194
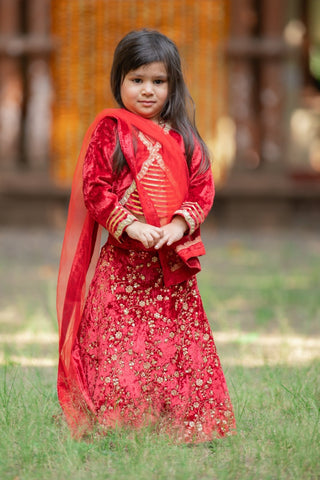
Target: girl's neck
158, 121
162, 124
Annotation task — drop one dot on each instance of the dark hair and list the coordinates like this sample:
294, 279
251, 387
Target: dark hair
142, 47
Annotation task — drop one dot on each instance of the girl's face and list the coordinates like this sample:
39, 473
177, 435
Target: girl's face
144, 91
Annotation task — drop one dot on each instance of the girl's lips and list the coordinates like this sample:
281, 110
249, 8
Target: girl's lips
146, 102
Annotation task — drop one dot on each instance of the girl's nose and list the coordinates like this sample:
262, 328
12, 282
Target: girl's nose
147, 89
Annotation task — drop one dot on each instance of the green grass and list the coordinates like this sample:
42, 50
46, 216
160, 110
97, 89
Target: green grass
277, 411
265, 282
260, 286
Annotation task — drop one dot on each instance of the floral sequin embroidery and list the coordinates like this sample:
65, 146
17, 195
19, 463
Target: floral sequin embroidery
148, 353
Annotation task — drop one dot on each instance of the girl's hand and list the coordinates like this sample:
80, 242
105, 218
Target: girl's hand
147, 234
172, 232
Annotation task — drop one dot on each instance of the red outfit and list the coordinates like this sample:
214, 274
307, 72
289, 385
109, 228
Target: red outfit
141, 349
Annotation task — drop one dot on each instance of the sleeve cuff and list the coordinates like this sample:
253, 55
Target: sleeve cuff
193, 215
118, 221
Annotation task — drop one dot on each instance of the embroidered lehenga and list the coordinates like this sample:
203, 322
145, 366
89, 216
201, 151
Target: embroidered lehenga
137, 348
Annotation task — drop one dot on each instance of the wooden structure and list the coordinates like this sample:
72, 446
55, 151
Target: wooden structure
244, 71
88, 32
25, 112
25, 44
266, 82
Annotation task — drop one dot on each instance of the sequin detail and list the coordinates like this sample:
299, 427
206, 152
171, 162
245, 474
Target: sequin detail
147, 351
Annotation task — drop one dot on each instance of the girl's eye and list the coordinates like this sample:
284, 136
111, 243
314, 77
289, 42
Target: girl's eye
136, 80
158, 82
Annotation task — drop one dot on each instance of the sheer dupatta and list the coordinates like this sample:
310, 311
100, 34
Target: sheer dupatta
81, 247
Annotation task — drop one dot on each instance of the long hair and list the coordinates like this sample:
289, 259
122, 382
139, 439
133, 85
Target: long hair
142, 47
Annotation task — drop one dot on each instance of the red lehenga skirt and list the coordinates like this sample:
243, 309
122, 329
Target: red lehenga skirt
146, 353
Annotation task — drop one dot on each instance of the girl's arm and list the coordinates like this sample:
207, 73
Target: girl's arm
193, 211
102, 204
200, 195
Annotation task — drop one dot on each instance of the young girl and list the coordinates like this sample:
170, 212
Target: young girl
136, 347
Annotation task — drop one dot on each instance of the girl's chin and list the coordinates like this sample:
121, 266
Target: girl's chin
147, 115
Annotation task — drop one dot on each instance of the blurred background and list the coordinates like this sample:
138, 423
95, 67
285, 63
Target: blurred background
253, 69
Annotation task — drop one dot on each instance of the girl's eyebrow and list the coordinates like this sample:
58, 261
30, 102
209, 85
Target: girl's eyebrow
160, 75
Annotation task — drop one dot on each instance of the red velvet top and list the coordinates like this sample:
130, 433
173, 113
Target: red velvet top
110, 198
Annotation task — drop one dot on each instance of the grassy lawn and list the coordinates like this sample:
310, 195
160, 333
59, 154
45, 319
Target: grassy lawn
261, 293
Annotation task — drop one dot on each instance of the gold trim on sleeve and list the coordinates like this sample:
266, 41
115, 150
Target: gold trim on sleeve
190, 221
122, 225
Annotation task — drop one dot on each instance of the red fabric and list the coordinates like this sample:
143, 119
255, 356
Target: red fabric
103, 191
81, 248
82, 238
146, 354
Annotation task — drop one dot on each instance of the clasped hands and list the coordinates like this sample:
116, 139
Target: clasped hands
156, 237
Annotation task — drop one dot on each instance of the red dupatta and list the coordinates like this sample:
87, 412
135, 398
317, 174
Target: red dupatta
81, 247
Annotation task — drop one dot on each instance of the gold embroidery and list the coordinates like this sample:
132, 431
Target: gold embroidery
118, 220
153, 178
115, 363
196, 210
114, 216
174, 262
154, 154
128, 192
166, 128
193, 214
188, 244
130, 219
190, 221
175, 267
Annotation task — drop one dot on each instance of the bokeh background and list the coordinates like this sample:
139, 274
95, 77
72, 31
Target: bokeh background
253, 69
